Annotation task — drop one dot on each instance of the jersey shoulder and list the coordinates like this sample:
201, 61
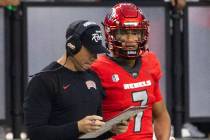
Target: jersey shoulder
102, 65
151, 63
100, 61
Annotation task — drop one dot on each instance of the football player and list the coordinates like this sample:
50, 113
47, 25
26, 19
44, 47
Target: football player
130, 74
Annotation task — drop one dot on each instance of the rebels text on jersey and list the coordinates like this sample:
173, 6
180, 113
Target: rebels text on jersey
123, 90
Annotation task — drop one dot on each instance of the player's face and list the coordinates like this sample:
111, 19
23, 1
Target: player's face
129, 38
85, 59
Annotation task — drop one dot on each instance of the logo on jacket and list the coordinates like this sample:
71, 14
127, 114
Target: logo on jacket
115, 78
65, 87
90, 84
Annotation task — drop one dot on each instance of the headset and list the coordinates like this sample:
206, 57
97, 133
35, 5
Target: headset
73, 42
73, 35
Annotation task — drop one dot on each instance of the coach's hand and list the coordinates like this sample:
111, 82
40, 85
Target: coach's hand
90, 124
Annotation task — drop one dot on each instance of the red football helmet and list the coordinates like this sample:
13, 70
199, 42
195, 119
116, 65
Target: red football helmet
123, 19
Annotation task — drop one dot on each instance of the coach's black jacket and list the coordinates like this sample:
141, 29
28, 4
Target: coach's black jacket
56, 99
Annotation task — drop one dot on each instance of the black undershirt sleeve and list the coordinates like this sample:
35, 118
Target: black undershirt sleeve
37, 109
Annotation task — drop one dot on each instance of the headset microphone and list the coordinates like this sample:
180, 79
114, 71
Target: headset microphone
70, 55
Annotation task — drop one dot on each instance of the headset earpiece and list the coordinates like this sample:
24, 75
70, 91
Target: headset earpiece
73, 45
73, 34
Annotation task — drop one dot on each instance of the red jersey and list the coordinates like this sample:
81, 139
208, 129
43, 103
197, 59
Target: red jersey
123, 90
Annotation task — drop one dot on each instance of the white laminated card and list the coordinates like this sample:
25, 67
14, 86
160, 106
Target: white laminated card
124, 115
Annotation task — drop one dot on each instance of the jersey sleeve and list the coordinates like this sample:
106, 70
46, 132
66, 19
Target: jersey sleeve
37, 108
157, 92
153, 65
95, 67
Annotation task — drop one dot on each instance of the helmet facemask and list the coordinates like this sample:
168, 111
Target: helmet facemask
128, 43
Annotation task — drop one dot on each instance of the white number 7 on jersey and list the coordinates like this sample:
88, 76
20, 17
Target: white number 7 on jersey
142, 97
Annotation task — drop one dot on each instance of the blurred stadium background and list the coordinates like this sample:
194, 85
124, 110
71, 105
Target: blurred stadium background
32, 35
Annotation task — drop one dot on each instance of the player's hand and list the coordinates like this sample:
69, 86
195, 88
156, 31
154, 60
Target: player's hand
120, 127
90, 124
